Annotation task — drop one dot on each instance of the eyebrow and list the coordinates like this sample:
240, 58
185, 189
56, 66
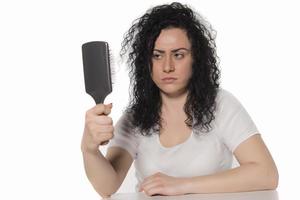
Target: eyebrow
175, 50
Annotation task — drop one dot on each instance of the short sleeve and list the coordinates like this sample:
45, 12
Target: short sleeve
124, 136
235, 123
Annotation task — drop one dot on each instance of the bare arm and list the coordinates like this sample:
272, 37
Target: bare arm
105, 174
100, 173
257, 171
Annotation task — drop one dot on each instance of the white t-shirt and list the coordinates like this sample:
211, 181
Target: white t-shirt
201, 154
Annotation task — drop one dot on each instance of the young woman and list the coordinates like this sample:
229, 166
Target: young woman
181, 129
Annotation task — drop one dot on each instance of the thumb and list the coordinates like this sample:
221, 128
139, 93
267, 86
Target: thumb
107, 109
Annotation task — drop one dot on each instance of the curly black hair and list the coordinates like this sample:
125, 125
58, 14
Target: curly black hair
145, 101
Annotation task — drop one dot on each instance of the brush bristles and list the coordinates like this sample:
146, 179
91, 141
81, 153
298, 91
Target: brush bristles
112, 67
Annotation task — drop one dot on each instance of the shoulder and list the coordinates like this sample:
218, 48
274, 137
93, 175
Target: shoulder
224, 95
227, 107
226, 100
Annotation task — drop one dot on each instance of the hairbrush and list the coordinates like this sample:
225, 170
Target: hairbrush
97, 72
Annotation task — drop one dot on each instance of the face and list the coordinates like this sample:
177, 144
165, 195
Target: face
172, 61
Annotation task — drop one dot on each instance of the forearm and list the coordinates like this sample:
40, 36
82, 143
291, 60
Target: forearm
100, 173
248, 177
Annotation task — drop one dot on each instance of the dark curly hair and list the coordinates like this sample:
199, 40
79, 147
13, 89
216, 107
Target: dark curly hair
145, 101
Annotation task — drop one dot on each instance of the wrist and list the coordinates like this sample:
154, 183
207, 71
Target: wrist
89, 150
188, 185
183, 184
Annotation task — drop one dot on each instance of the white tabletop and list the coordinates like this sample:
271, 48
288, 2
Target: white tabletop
257, 195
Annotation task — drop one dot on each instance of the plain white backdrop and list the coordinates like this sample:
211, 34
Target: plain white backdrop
43, 99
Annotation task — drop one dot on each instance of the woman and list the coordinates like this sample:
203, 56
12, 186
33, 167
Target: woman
181, 129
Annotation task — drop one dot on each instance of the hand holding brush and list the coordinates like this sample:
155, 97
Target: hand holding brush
97, 76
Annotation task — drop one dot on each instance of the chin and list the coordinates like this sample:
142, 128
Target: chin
173, 93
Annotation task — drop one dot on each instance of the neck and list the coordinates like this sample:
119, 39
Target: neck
173, 104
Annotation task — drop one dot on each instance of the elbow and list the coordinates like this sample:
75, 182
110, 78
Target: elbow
106, 192
274, 181
272, 185
105, 195
271, 179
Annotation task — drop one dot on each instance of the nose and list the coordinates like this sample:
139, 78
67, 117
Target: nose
168, 64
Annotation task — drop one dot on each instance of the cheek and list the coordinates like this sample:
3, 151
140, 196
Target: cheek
154, 79
154, 74
190, 70
187, 73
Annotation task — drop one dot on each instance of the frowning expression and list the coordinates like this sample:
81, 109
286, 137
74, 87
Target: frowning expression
172, 61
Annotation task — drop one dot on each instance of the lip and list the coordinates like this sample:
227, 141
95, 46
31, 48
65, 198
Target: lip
169, 79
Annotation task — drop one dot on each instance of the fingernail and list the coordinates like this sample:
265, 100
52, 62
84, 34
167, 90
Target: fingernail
109, 105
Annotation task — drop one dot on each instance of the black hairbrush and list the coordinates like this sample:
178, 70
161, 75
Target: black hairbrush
97, 73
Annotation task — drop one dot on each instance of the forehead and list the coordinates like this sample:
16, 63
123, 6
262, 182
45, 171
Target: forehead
172, 38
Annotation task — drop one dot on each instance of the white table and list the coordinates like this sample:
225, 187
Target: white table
257, 195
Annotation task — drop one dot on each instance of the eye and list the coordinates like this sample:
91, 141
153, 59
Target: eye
179, 55
156, 56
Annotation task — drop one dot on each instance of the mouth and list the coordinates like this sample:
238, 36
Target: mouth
169, 79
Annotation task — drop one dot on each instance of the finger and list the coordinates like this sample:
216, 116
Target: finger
103, 120
155, 190
105, 129
145, 182
150, 185
107, 109
101, 109
104, 143
151, 177
98, 109
101, 129
103, 137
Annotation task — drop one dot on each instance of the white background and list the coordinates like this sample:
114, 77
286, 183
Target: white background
43, 99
